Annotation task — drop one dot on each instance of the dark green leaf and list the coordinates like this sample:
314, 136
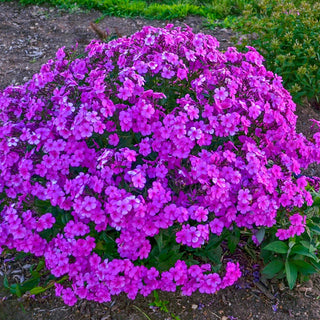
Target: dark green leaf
303, 251
40, 265
272, 268
216, 268
315, 229
233, 240
215, 241
304, 267
29, 284
5, 282
277, 246
315, 264
260, 234
37, 290
214, 255
316, 219
15, 289
35, 274
159, 241
306, 244
316, 200
291, 273
21, 255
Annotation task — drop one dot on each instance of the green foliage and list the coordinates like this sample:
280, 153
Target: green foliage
287, 34
162, 305
31, 285
106, 245
290, 260
296, 258
126, 8
152, 9
277, 247
166, 251
233, 240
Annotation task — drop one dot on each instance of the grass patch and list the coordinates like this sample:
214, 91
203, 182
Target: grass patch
161, 10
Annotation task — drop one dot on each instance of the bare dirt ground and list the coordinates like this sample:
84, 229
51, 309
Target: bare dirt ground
31, 35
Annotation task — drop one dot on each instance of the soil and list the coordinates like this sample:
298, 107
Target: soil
29, 36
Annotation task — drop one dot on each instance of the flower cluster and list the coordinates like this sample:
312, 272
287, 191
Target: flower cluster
297, 227
155, 131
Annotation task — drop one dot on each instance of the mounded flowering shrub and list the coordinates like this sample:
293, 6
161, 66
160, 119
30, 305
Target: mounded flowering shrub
155, 134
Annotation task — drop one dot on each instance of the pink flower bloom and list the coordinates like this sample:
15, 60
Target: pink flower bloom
114, 139
244, 196
46, 221
130, 155
221, 94
149, 41
166, 73
138, 180
282, 234
296, 219
216, 226
195, 134
144, 147
182, 74
86, 130
68, 297
34, 139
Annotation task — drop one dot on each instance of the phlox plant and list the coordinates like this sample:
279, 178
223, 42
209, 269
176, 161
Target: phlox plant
144, 138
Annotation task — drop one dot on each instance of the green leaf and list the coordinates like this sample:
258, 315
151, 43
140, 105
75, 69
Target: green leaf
21, 255
214, 255
6, 282
215, 241
306, 244
316, 220
260, 234
291, 273
233, 240
37, 290
272, 268
315, 229
30, 284
15, 289
316, 200
277, 246
304, 267
35, 274
159, 241
100, 246
40, 265
303, 251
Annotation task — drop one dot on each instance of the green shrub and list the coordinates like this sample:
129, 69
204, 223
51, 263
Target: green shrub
288, 35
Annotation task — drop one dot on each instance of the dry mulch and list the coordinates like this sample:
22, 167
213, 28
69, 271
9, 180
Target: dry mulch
31, 35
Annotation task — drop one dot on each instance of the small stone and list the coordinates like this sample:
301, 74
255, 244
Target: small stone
309, 284
194, 307
281, 286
